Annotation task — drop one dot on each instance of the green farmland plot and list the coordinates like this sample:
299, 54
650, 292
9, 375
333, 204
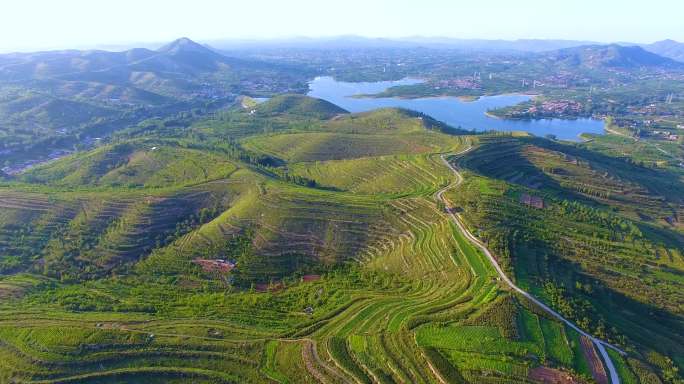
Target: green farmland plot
295, 244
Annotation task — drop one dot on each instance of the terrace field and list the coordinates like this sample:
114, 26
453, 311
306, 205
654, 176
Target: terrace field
603, 250
133, 164
383, 174
383, 132
348, 268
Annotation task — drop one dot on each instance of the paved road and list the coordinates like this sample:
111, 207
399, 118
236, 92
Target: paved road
600, 344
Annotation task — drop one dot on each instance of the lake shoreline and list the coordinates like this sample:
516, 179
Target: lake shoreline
468, 113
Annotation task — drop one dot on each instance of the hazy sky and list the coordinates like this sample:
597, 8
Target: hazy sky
42, 24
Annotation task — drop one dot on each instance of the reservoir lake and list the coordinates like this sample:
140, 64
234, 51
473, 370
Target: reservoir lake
469, 115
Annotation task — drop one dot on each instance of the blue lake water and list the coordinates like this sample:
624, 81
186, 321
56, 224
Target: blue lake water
468, 115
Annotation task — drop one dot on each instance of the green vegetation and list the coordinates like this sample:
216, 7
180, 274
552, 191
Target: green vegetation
374, 175
300, 106
133, 164
601, 248
334, 261
59, 101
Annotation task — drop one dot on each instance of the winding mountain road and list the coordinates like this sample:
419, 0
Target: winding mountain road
600, 344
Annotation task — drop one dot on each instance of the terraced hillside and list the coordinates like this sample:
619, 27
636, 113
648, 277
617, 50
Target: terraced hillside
298, 253
378, 133
133, 164
71, 232
595, 236
382, 174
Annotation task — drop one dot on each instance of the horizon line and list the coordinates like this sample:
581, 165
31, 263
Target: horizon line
125, 45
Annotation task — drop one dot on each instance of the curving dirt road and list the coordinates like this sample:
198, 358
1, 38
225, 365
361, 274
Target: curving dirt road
600, 344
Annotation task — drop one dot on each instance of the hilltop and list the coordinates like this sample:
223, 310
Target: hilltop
135, 163
667, 48
159, 172
181, 54
611, 56
183, 44
299, 105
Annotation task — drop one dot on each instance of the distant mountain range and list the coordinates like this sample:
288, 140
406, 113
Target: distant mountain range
358, 42
667, 48
611, 56
60, 95
180, 59
180, 70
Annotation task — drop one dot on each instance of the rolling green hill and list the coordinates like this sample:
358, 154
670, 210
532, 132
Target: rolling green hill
378, 133
300, 106
604, 248
301, 243
133, 164
380, 174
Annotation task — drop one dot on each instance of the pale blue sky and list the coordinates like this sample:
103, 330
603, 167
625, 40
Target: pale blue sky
47, 24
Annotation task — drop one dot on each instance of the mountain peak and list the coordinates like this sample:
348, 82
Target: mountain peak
668, 48
667, 41
183, 44
666, 44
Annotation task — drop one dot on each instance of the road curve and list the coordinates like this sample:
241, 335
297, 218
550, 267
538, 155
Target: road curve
600, 344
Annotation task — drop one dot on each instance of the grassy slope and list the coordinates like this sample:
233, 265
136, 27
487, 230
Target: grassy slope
382, 132
372, 175
602, 241
299, 105
397, 277
137, 163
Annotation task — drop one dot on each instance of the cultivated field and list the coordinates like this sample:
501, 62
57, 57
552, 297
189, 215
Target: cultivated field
101, 281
